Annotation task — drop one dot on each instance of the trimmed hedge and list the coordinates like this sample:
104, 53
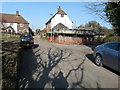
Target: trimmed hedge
9, 64
112, 38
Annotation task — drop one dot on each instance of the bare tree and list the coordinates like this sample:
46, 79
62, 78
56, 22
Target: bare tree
97, 9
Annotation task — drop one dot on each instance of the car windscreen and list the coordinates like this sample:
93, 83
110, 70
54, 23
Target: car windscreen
26, 38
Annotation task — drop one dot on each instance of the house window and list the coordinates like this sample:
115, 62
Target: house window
81, 32
62, 15
20, 31
21, 24
87, 31
11, 24
84, 32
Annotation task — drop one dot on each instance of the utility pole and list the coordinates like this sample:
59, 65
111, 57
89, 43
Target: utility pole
50, 27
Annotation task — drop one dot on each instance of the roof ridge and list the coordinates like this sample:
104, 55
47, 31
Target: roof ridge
8, 13
12, 19
60, 11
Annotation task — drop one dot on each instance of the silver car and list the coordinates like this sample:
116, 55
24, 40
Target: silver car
108, 54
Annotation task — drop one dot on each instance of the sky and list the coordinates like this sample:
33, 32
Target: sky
38, 13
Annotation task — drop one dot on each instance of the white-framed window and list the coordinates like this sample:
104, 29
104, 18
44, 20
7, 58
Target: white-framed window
11, 24
21, 25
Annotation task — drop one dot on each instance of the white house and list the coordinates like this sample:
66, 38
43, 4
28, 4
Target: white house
13, 22
59, 17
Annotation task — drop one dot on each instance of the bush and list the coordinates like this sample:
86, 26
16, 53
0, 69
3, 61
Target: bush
9, 64
98, 40
112, 38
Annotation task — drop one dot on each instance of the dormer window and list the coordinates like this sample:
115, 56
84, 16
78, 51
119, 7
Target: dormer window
62, 15
11, 24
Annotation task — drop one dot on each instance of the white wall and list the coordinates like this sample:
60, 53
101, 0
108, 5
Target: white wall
13, 25
64, 20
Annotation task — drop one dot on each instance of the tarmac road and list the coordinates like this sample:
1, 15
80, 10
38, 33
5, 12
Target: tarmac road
51, 65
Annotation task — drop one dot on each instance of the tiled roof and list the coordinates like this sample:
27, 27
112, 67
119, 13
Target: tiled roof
60, 26
12, 18
59, 11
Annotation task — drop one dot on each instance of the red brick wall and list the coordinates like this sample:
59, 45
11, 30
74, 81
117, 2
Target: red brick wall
67, 40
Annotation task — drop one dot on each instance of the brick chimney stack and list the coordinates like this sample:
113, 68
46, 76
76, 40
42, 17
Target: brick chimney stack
17, 13
59, 9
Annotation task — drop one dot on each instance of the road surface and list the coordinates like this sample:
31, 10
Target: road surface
51, 65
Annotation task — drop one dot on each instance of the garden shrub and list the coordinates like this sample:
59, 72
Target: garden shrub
112, 38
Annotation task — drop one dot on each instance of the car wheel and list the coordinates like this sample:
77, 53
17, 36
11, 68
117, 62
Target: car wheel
98, 60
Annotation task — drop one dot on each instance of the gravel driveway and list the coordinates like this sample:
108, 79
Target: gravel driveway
51, 65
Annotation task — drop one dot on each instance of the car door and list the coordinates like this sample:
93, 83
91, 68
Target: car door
119, 59
115, 60
116, 53
111, 55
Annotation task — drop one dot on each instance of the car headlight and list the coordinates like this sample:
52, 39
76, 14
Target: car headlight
22, 40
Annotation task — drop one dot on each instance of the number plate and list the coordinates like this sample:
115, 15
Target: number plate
26, 44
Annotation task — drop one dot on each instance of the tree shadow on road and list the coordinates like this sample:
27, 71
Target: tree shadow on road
26, 64
35, 67
54, 57
75, 84
60, 82
33, 70
79, 81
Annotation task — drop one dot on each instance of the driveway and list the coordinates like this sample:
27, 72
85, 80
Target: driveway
51, 65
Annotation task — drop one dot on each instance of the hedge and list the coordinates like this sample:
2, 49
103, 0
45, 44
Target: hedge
112, 38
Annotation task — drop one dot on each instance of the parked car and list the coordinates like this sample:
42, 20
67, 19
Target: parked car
26, 40
108, 54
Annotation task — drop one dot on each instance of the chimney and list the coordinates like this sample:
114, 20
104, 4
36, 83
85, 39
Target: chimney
59, 8
17, 13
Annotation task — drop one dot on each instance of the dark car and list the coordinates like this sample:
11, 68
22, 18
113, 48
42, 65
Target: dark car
108, 54
26, 40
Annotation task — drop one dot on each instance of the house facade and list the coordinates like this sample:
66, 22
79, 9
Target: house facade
63, 35
59, 17
15, 21
60, 29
